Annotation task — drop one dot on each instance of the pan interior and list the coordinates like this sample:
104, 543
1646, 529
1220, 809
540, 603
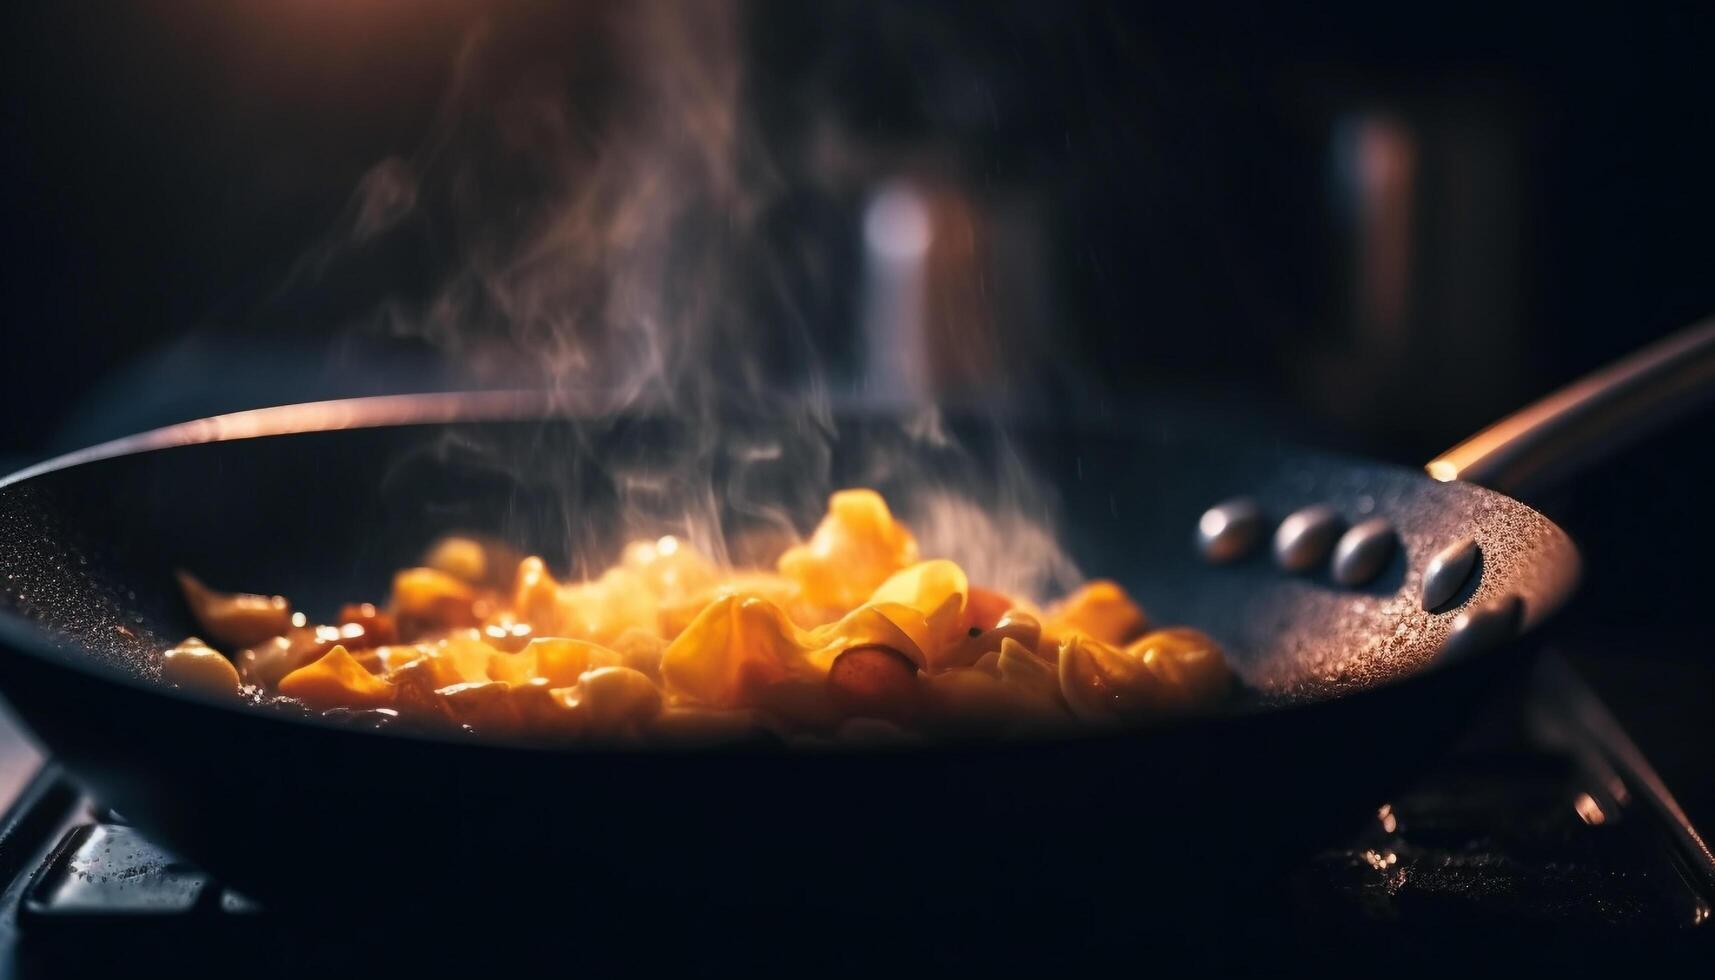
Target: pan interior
88, 551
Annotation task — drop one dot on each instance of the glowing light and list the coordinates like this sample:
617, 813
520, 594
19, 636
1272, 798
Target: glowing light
667, 545
1444, 470
1212, 523
1389, 822
1381, 861
300, 620
1589, 810
896, 224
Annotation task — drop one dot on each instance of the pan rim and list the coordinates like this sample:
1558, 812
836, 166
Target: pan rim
331, 415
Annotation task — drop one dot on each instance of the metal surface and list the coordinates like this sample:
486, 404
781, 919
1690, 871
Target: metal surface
1229, 531
1589, 728
87, 552
1578, 424
1304, 539
1447, 572
1483, 628
1363, 551
1349, 689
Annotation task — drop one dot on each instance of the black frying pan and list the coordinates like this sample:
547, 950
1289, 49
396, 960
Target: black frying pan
1353, 687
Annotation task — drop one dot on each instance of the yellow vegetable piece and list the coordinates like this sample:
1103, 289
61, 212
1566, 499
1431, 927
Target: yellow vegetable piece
736, 643
461, 558
467, 653
935, 589
970, 701
561, 661
1099, 609
855, 548
741, 645
395, 656
603, 609
427, 672
503, 631
669, 568
513, 668
925, 586
335, 681
666, 644
432, 598
1019, 665
1015, 624
235, 619
265, 663
1167, 672
1102, 684
416, 684
614, 699
888, 624
544, 711
778, 589
194, 667
535, 594
485, 707
640, 650
1188, 661
599, 610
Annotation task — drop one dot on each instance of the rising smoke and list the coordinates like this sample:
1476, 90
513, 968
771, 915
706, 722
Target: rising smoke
595, 210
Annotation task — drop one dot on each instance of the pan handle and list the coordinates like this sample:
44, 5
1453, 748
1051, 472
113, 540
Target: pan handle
1585, 421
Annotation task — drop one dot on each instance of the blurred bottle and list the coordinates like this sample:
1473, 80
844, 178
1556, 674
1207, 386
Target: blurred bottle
954, 306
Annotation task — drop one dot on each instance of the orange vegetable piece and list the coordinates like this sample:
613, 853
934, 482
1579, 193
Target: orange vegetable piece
1099, 609
376, 628
1014, 624
1188, 660
235, 619
889, 624
735, 643
1167, 672
855, 548
936, 589
670, 568
426, 599
486, 707
337, 681
545, 711
615, 698
562, 661
535, 594
778, 589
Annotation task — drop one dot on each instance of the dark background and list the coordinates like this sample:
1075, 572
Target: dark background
166, 164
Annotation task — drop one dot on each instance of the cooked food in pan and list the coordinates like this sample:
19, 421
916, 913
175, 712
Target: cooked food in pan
853, 637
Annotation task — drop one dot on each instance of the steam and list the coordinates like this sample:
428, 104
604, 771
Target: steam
589, 244
612, 248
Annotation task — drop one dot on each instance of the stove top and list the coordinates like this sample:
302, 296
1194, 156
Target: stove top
1544, 840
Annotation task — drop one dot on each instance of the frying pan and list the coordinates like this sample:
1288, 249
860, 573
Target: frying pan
1350, 687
